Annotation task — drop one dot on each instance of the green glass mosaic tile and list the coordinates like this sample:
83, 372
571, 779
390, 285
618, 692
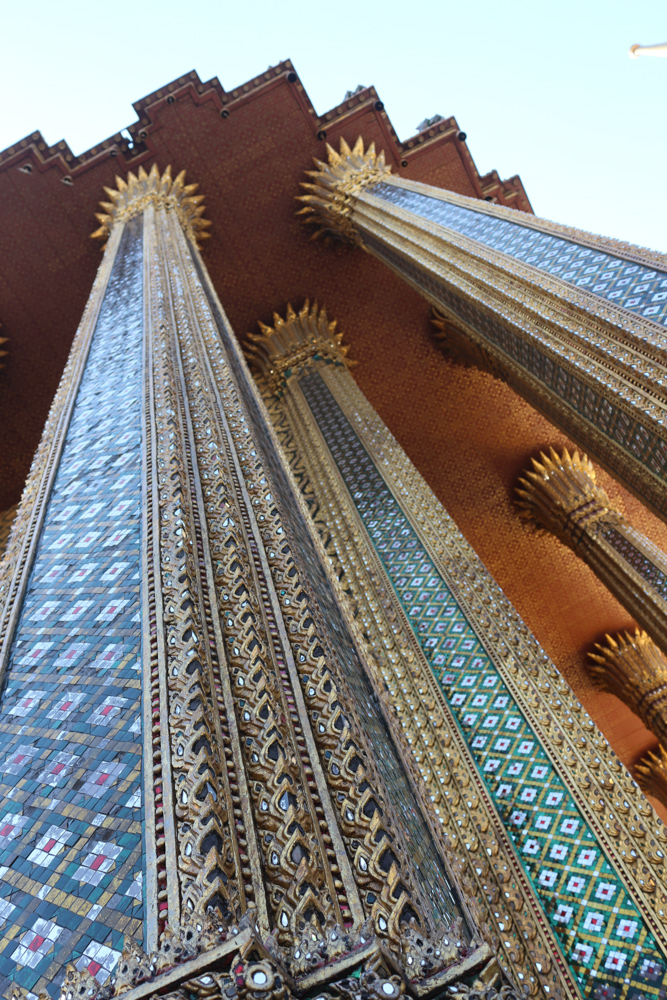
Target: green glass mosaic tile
603, 935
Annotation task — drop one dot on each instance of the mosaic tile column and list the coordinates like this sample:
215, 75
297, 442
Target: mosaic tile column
195, 756
559, 494
573, 322
566, 856
72, 860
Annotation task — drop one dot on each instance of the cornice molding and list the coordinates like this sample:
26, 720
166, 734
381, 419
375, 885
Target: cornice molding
34, 153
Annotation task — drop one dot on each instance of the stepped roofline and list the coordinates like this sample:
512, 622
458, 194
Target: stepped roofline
35, 153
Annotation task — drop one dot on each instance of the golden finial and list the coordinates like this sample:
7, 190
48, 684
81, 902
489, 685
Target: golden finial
292, 340
560, 494
633, 668
131, 197
335, 185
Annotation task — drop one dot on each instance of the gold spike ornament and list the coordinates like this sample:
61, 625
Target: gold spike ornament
559, 494
132, 196
651, 774
282, 349
335, 185
633, 668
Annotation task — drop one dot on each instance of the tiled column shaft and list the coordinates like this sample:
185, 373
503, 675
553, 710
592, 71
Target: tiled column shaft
575, 323
71, 803
195, 760
497, 743
560, 495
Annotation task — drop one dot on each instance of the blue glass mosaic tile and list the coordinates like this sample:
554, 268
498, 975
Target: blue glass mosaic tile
634, 287
586, 400
602, 933
71, 855
651, 573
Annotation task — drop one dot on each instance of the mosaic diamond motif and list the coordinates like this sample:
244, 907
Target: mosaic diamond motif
641, 563
37, 943
99, 960
616, 424
632, 286
70, 747
603, 935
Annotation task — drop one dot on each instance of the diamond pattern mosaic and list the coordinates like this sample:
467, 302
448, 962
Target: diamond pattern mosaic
615, 423
653, 575
71, 858
603, 935
634, 287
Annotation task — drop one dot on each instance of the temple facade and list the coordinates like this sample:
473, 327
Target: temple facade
333, 605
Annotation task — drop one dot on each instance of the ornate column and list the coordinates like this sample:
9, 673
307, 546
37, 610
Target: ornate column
560, 495
199, 796
574, 322
510, 770
633, 668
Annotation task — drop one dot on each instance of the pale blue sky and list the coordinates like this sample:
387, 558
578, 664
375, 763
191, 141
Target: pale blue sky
545, 90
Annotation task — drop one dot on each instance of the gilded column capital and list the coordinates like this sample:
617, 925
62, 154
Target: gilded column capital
633, 668
460, 347
282, 349
560, 495
132, 196
331, 196
651, 774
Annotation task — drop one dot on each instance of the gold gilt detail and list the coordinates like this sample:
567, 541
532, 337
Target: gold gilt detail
560, 495
460, 348
633, 668
282, 348
208, 864
294, 870
133, 195
335, 186
601, 787
651, 774
204, 960
459, 819
598, 345
317, 799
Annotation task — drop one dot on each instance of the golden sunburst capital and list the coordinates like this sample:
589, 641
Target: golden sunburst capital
278, 351
333, 188
651, 774
132, 195
631, 666
559, 494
